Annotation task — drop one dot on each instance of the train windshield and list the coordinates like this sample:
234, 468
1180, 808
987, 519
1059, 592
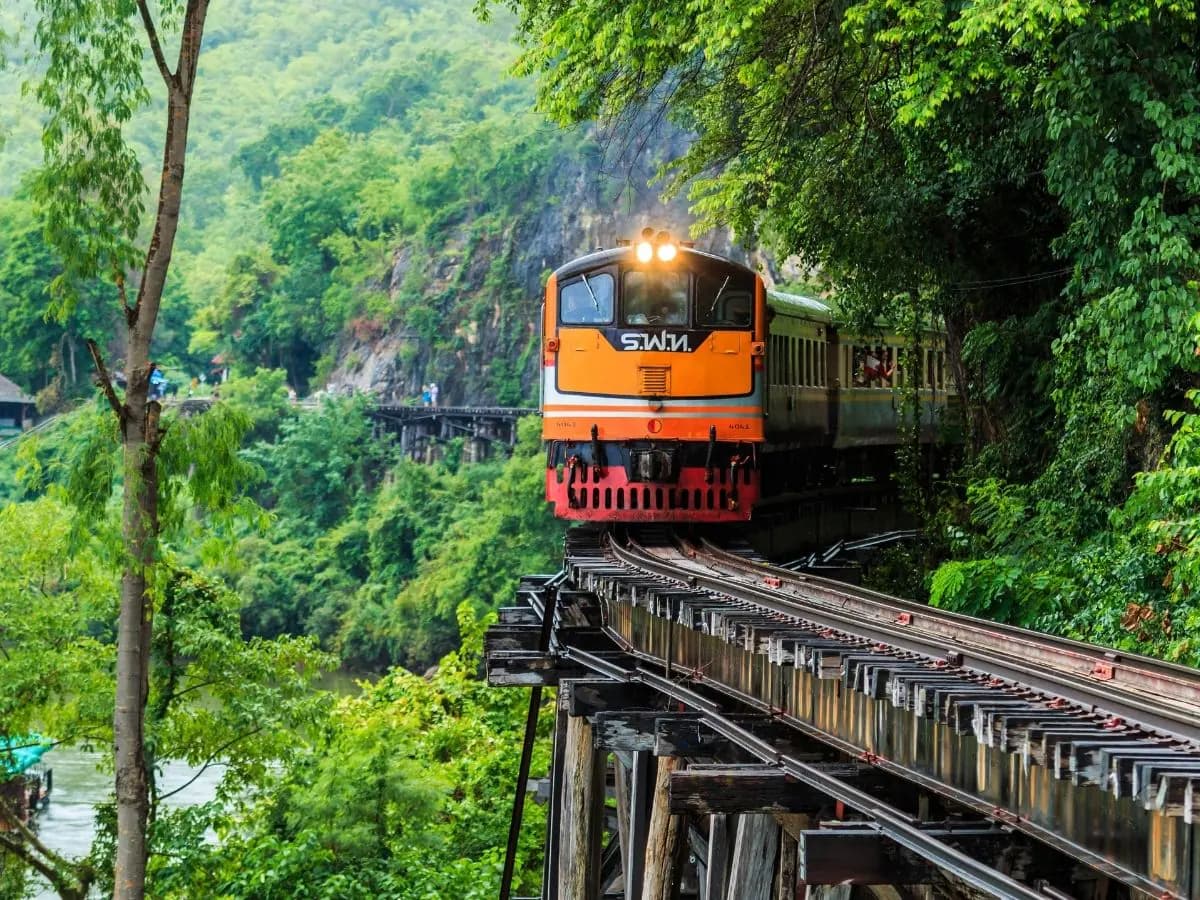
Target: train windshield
587, 301
724, 300
655, 298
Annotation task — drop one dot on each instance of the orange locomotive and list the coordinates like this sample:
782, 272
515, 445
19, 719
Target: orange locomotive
652, 391
675, 389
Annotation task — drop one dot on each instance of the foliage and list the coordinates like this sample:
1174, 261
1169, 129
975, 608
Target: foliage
409, 786
1026, 172
482, 553
374, 556
214, 697
322, 463
1128, 585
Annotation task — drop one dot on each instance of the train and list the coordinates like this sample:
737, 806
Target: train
677, 388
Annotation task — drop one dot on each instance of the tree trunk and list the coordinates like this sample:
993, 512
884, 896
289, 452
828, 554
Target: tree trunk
139, 529
140, 435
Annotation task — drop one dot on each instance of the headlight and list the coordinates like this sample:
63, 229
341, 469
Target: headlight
645, 251
666, 252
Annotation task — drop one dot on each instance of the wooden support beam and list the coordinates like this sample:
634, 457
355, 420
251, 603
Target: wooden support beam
621, 792
858, 856
663, 842
610, 866
829, 892
582, 823
717, 867
684, 735
589, 696
635, 730
752, 870
512, 637
785, 879
742, 789
523, 668
698, 846
518, 615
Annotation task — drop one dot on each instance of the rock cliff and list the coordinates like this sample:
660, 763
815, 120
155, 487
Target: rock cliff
466, 305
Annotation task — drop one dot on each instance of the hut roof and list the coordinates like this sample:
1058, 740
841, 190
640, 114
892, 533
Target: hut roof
10, 393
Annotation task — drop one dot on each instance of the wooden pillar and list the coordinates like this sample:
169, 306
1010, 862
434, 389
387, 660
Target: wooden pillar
752, 871
665, 837
829, 891
582, 824
717, 867
786, 882
621, 790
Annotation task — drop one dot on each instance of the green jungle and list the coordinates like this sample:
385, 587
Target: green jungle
399, 174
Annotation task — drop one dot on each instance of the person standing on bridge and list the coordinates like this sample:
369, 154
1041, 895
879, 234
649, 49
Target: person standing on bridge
158, 382
433, 392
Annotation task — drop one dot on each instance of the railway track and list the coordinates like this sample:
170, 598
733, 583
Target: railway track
1093, 755
1149, 693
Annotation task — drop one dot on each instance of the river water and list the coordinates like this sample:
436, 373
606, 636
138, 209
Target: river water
67, 825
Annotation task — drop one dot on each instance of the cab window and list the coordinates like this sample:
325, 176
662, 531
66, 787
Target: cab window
655, 298
587, 301
724, 301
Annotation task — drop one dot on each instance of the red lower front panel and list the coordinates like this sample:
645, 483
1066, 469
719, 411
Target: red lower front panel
611, 497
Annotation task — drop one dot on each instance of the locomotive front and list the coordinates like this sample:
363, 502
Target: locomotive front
652, 391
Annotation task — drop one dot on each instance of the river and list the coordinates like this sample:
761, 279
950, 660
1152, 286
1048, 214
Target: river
67, 824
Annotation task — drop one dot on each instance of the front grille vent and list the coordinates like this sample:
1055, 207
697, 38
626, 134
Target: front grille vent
656, 380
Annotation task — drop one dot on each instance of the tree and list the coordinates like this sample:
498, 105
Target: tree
91, 188
424, 813
41, 352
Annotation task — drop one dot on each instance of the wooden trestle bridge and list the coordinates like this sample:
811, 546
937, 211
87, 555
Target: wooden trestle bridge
424, 431
727, 730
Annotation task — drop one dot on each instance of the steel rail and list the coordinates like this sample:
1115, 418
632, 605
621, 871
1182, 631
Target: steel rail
890, 821
1152, 713
1138, 674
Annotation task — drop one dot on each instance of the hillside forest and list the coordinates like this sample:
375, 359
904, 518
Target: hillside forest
375, 193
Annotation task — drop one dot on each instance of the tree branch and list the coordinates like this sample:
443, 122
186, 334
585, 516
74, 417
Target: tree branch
193, 687
106, 382
212, 759
189, 44
154, 431
130, 312
21, 841
156, 46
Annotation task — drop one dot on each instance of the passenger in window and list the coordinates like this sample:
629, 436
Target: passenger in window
879, 367
861, 371
668, 314
873, 369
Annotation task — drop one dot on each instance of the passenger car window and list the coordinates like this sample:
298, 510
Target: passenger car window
588, 301
655, 298
724, 301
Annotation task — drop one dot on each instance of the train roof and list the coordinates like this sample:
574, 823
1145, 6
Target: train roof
616, 254
797, 304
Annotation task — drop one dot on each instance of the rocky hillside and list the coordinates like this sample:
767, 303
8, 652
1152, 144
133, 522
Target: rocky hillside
483, 284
